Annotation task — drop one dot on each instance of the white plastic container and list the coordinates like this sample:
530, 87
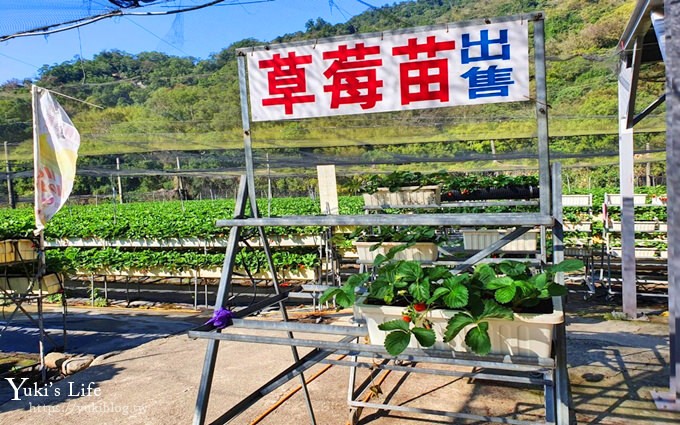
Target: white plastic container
638, 226
526, 335
577, 200
584, 226
421, 251
639, 252
478, 239
615, 199
408, 195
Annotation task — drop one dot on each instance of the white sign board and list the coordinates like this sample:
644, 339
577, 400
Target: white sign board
422, 68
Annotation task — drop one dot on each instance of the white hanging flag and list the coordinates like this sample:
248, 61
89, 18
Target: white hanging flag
55, 150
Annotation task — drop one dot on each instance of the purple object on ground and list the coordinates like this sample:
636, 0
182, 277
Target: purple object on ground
221, 318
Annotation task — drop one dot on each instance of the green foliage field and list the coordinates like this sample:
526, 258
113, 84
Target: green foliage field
160, 220
153, 101
156, 105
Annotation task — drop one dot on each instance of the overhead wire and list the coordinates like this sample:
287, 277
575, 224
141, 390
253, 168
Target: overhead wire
79, 22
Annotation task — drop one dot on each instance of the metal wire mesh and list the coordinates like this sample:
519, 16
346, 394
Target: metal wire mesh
19, 16
26, 17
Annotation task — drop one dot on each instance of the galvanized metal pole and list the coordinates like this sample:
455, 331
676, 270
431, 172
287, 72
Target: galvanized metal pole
562, 385
120, 185
10, 192
627, 89
672, 24
245, 119
250, 178
542, 115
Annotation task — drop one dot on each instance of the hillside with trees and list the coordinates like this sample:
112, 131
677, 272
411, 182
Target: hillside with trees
153, 102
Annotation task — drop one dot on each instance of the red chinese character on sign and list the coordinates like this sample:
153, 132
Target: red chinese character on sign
287, 81
426, 79
353, 81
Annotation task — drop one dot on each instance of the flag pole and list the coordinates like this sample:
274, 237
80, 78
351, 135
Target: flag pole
39, 230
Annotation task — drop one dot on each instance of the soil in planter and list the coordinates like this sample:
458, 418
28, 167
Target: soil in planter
544, 307
380, 302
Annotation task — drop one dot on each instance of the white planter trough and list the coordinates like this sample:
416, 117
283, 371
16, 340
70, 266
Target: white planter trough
578, 251
409, 195
476, 240
151, 272
639, 252
663, 227
527, 335
214, 273
577, 200
638, 226
663, 255
274, 240
421, 251
290, 274
615, 199
584, 226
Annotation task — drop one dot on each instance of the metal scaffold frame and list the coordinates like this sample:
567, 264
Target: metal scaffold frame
651, 35
549, 373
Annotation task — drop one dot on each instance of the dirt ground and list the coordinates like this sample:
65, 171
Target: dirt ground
613, 367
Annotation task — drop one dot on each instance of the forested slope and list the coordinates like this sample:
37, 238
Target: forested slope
156, 102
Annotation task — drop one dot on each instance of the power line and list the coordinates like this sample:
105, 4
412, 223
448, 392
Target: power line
104, 14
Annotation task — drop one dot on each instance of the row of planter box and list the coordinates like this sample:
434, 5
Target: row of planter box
642, 253
473, 240
274, 241
640, 226
305, 274
433, 195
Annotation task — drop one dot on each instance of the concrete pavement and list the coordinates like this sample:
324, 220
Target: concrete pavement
613, 366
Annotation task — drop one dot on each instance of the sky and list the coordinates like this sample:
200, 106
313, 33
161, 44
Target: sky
197, 33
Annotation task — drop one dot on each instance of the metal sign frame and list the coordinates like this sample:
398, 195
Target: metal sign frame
557, 395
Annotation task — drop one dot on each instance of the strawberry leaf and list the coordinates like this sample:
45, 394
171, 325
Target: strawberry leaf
438, 293
420, 290
437, 273
393, 325
425, 337
328, 294
540, 280
557, 290
499, 282
570, 265
506, 294
456, 324
493, 310
457, 296
484, 273
512, 268
396, 342
344, 300
478, 339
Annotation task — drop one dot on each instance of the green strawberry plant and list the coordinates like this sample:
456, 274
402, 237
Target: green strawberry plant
396, 234
491, 291
447, 181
